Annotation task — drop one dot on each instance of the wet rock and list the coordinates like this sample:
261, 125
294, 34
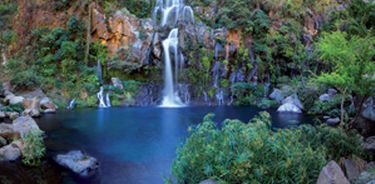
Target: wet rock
117, 83
209, 181
294, 100
79, 163
7, 131
47, 105
10, 152
277, 95
13, 99
333, 121
31, 106
332, 173
24, 125
156, 46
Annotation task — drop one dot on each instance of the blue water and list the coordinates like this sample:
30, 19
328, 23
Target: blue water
135, 145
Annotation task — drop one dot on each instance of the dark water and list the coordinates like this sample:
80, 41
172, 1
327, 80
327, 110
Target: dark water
134, 145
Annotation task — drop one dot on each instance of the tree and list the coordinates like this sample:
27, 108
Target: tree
353, 63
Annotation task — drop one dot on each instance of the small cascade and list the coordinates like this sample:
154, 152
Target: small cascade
217, 71
172, 11
71, 104
104, 101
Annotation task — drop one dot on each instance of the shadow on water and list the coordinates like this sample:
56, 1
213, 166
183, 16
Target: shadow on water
133, 145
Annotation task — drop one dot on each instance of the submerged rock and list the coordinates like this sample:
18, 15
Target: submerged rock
79, 163
332, 173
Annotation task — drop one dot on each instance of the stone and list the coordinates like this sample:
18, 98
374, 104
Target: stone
47, 105
333, 121
325, 97
24, 125
293, 99
79, 163
12, 115
277, 95
10, 152
156, 46
367, 177
332, 174
208, 181
3, 141
117, 83
332, 92
31, 106
7, 131
289, 107
370, 143
353, 167
369, 110
2, 114
13, 99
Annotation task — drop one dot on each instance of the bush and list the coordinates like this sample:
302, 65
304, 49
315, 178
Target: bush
246, 153
246, 94
34, 148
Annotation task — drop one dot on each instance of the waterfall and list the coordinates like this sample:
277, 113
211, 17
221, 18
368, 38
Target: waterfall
172, 11
104, 101
71, 104
171, 98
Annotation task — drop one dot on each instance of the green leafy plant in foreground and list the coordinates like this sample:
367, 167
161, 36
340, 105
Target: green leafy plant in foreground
253, 153
34, 148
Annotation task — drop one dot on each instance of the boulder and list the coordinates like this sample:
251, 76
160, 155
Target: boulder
10, 152
333, 121
294, 100
332, 173
332, 92
156, 46
24, 125
289, 107
208, 181
353, 167
7, 131
47, 105
117, 83
79, 163
277, 95
325, 97
13, 99
31, 106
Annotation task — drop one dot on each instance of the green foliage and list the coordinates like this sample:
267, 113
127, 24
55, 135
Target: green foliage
34, 148
353, 62
61, 4
246, 94
13, 108
331, 107
232, 154
139, 8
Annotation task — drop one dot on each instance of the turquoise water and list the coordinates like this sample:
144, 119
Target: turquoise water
135, 145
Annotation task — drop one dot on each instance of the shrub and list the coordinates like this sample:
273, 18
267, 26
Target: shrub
246, 94
246, 153
34, 148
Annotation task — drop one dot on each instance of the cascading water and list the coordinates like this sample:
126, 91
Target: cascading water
104, 101
171, 12
171, 98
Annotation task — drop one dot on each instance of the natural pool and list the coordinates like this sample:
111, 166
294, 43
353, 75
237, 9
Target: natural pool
134, 145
